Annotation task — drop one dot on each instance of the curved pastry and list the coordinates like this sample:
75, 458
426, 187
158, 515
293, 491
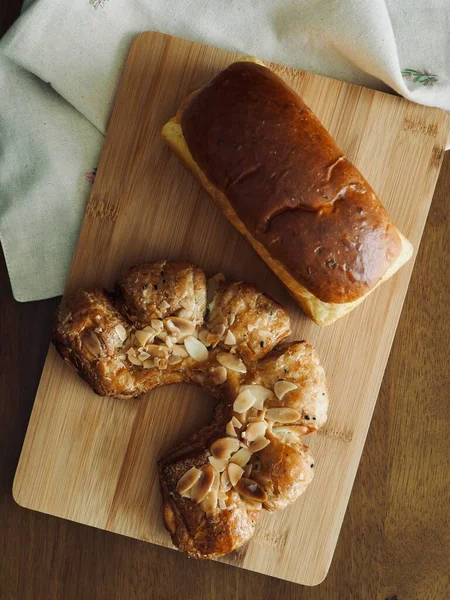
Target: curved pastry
160, 327
280, 179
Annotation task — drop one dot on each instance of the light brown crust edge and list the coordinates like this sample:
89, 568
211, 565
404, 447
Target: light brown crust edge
322, 313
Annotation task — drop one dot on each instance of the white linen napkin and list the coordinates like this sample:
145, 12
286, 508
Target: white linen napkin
60, 64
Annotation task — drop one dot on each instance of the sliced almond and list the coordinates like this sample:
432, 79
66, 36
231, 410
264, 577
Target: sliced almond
157, 325
209, 502
212, 285
235, 472
242, 456
174, 360
187, 303
225, 483
161, 363
231, 362
157, 351
148, 328
91, 342
230, 429
203, 336
293, 430
203, 484
219, 464
230, 340
281, 388
218, 375
121, 332
247, 470
186, 314
149, 364
263, 333
244, 401
250, 327
164, 305
178, 324
260, 392
179, 351
143, 336
143, 356
224, 447
236, 422
255, 430
212, 339
248, 488
162, 335
260, 443
188, 480
196, 349
186, 494
131, 355
222, 504
282, 415
169, 342
218, 329
231, 319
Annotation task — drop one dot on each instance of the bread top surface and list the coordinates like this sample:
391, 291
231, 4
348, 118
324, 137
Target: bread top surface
292, 187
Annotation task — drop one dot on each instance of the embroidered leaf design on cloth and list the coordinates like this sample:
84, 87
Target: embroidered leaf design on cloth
97, 3
424, 77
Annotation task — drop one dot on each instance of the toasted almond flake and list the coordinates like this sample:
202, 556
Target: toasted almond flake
169, 342
188, 480
187, 303
157, 351
149, 364
196, 349
218, 329
186, 314
282, 415
212, 285
233, 350
244, 401
131, 354
231, 362
91, 342
203, 484
179, 351
230, 429
231, 319
235, 472
230, 340
157, 324
260, 443
248, 488
247, 470
236, 422
209, 503
293, 430
148, 328
143, 356
225, 483
260, 392
203, 335
222, 504
250, 327
164, 305
253, 504
222, 495
161, 363
218, 375
241, 457
212, 339
174, 360
219, 464
121, 332
216, 481
281, 388
224, 447
162, 335
186, 494
181, 325
255, 430
121, 357
143, 337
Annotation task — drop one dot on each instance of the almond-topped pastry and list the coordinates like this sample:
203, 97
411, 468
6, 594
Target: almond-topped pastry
281, 180
165, 324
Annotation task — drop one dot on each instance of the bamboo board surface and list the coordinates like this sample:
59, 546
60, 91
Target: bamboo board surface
93, 460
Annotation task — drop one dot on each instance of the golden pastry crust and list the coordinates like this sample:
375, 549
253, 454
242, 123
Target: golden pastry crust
164, 326
327, 284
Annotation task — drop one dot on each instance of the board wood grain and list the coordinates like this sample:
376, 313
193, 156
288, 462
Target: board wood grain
91, 459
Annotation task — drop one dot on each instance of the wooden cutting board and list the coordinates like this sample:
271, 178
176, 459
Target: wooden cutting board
92, 459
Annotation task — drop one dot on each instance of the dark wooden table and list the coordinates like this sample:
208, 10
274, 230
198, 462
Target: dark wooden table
394, 542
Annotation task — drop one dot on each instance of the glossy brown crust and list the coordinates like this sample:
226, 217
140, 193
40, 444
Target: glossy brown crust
91, 332
289, 183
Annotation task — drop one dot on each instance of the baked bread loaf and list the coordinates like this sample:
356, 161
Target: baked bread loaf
279, 177
160, 328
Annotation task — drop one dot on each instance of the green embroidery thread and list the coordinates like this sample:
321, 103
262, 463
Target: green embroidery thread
424, 77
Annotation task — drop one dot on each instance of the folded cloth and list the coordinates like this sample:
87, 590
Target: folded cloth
60, 64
